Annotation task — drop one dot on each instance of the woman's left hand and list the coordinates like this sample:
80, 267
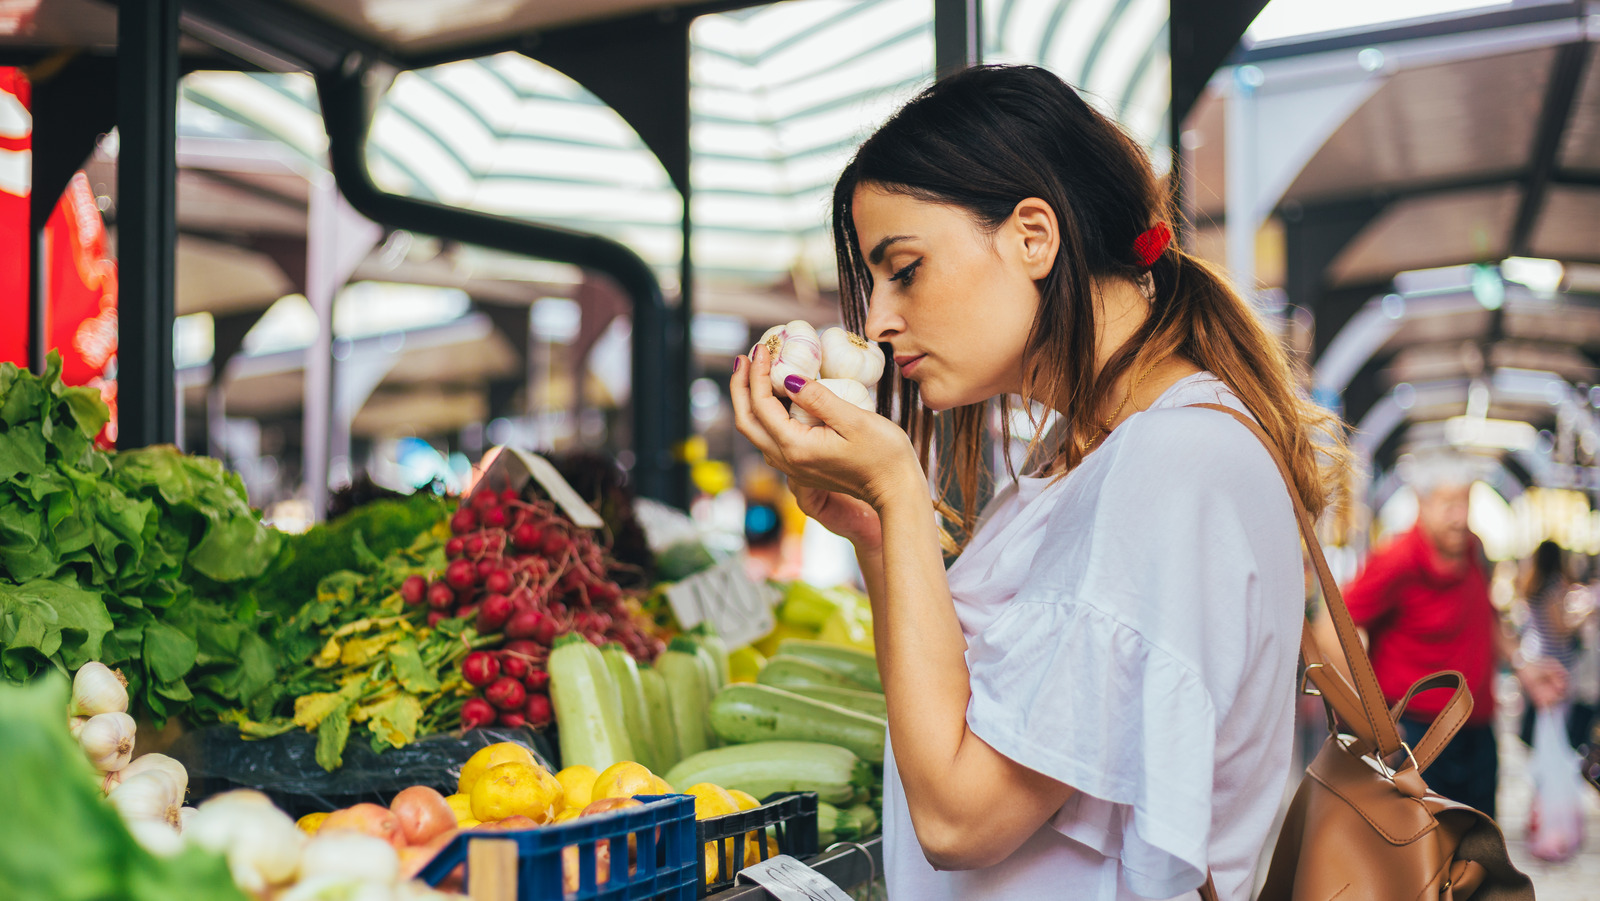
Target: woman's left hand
853, 452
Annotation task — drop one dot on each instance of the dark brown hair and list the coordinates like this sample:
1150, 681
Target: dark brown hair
991, 136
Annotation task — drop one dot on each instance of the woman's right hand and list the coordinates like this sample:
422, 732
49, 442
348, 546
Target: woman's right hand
842, 515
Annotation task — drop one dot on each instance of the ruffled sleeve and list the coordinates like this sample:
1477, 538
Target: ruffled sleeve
1067, 691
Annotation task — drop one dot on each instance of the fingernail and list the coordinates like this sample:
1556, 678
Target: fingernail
737, 362
794, 383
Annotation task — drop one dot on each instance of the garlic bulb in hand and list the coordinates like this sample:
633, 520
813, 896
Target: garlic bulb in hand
96, 689
107, 739
848, 389
847, 355
795, 350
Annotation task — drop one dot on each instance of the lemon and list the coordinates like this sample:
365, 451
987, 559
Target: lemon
711, 800
516, 789
622, 779
311, 822
577, 785
493, 755
460, 804
752, 850
745, 800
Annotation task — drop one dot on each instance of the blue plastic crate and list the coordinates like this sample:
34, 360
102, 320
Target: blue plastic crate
666, 867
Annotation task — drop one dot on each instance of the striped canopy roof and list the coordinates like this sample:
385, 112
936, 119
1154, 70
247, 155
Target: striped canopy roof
780, 96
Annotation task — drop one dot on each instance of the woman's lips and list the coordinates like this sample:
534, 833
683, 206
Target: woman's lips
908, 362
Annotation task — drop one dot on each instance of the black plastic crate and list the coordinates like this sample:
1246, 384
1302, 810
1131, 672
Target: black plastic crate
793, 817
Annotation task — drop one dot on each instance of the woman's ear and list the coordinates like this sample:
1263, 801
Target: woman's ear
1034, 224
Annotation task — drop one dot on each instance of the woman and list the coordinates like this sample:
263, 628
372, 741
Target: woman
1552, 634
1096, 700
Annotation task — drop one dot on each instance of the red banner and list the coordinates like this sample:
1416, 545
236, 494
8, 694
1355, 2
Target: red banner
82, 308
16, 173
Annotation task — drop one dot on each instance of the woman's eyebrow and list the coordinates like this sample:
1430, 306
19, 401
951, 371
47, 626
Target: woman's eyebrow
876, 256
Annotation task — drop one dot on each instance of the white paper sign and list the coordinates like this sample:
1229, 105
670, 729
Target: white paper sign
738, 606
513, 468
790, 880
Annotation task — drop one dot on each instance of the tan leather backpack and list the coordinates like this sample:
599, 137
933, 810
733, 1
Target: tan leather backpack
1363, 825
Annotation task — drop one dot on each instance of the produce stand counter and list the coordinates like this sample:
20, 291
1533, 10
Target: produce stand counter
845, 866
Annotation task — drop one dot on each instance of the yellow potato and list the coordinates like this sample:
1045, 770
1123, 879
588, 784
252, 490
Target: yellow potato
493, 755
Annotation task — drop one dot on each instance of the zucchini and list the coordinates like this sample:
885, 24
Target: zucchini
858, 666
611, 702
708, 665
866, 817
624, 673
707, 637
687, 694
836, 774
751, 713
790, 672
580, 697
664, 735
869, 702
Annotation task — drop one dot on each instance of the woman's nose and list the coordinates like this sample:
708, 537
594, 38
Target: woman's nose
883, 323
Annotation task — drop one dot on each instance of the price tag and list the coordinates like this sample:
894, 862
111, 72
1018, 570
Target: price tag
738, 606
790, 880
513, 467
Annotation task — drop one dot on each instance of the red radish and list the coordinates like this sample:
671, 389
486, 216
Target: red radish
511, 720
414, 590
506, 694
484, 498
604, 593
477, 712
526, 537
547, 629
441, 596
522, 598
481, 667
537, 711
524, 624
557, 609
486, 566
474, 545
525, 648
536, 679
509, 495
494, 518
455, 547
498, 581
465, 611
554, 545
493, 613
460, 574
435, 617
514, 666
463, 521
423, 813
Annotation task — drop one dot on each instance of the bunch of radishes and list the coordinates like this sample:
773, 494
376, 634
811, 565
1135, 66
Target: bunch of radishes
521, 568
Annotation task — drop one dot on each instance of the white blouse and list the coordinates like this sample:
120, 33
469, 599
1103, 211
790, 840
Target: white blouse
1132, 632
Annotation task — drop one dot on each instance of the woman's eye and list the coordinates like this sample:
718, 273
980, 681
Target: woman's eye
907, 273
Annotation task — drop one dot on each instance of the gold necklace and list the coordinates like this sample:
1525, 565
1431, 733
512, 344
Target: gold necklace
1106, 426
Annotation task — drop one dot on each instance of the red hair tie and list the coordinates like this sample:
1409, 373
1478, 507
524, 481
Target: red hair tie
1149, 246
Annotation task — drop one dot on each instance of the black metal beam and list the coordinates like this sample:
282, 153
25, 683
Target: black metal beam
1561, 95
147, 100
278, 37
957, 35
1201, 35
348, 100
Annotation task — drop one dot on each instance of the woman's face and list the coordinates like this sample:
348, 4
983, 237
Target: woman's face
955, 302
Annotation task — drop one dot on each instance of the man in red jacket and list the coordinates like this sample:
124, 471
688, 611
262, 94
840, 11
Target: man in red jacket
1423, 600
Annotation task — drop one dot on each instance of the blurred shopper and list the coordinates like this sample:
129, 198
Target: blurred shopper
1423, 600
1551, 635
1096, 700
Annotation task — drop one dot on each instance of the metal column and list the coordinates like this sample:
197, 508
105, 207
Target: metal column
147, 233
957, 35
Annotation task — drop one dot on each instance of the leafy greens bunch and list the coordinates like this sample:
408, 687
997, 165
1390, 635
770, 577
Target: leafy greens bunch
143, 559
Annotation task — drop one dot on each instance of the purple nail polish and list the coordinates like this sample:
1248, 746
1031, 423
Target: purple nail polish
794, 383
737, 362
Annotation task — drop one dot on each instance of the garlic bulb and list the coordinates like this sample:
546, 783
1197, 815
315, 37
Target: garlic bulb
795, 350
107, 739
261, 842
185, 814
352, 855
155, 836
98, 689
162, 762
75, 725
848, 389
151, 795
847, 355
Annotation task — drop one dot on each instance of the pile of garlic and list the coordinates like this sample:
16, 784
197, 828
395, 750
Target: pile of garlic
841, 361
147, 791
